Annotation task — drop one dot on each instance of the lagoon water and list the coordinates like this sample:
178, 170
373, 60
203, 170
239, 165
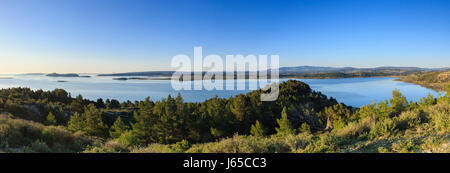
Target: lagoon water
351, 91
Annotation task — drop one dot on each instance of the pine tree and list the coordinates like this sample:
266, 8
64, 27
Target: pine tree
305, 128
118, 128
144, 122
114, 104
100, 103
238, 107
257, 130
2, 104
181, 129
398, 102
94, 122
285, 126
77, 104
76, 123
167, 125
108, 104
51, 119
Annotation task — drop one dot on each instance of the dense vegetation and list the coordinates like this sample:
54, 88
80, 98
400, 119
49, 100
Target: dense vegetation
433, 80
301, 120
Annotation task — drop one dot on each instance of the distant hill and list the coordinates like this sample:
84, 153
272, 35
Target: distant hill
316, 69
147, 73
313, 72
62, 75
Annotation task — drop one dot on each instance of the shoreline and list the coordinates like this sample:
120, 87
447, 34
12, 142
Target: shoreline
169, 78
438, 89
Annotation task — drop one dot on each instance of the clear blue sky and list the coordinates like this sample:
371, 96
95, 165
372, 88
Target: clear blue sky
120, 36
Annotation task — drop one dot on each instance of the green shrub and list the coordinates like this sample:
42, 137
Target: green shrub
128, 139
383, 128
405, 146
440, 117
305, 128
408, 119
295, 143
153, 148
257, 129
181, 146
39, 147
354, 129
20, 133
252, 144
324, 144
382, 150
235, 144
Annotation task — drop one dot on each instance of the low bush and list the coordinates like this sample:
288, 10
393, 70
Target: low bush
382, 128
408, 119
354, 129
18, 133
153, 148
440, 117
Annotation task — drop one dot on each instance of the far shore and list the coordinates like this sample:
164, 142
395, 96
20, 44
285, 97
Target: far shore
192, 79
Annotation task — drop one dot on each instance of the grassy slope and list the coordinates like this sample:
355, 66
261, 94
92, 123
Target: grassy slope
433, 80
422, 128
18, 135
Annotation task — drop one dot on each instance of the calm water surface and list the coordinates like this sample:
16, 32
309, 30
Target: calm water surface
351, 91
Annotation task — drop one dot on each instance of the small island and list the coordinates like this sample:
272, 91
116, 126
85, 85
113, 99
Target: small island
34, 74
140, 78
65, 75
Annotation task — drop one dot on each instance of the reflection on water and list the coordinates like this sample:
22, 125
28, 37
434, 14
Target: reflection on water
351, 91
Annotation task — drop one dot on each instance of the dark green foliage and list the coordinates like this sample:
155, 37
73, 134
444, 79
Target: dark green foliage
112, 104
382, 128
128, 138
51, 119
427, 101
337, 116
90, 122
100, 103
171, 120
181, 146
76, 123
324, 143
77, 104
409, 119
118, 128
305, 128
257, 130
398, 102
284, 125
35, 137
94, 123
144, 120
